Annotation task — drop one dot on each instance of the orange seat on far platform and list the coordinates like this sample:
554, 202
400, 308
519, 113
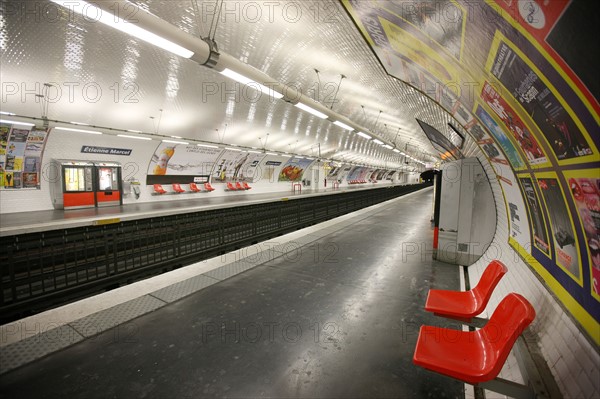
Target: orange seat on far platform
194, 187
475, 356
246, 186
239, 186
208, 187
231, 187
464, 305
158, 189
177, 188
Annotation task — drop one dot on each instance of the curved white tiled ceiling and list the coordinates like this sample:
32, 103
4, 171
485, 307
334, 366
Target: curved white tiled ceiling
104, 77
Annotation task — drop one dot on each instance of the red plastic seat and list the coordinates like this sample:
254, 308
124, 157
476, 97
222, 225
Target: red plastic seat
246, 186
194, 187
158, 189
231, 187
177, 188
475, 356
208, 187
464, 305
238, 186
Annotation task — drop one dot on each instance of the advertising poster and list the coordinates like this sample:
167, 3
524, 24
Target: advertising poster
4, 131
536, 16
585, 190
512, 154
268, 168
236, 166
565, 241
540, 102
358, 173
538, 225
514, 124
294, 169
182, 159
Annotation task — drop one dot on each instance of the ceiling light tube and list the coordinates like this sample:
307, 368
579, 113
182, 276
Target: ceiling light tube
68, 129
90, 11
134, 131
80, 123
310, 110
134, 137
343, 125
207, 146
249, 82
377, 141
175, 142
233, 149
255, 152
361, 134
16, 122
272, 153
396, 150
7, 113
389, 147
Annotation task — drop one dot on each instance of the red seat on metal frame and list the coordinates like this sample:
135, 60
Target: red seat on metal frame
194, 187
159, 189
231, 187
238, 186
208, 187
177, 188
463, 305
475, 356
246, 186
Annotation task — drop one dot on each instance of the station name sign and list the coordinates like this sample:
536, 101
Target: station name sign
88, 149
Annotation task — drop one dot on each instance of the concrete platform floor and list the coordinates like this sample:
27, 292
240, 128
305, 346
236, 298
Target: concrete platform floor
336, 318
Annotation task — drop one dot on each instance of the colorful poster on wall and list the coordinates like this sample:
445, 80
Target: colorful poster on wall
502, 139
538, 225
182, 159
294, 169
565, 241
529, 88
4, 131
585, 190
236, 166
514, 124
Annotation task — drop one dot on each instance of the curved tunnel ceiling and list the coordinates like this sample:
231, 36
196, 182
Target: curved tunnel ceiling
104, 77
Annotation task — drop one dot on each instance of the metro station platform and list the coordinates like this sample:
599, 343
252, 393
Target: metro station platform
331, 310
36, 221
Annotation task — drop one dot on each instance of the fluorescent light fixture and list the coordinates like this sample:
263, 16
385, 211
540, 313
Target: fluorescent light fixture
396, 150
68, 129
233, 149
249, 82
377, 141
310, 110
389, 147
310, 159
80, 123
343, 125
272, 153
255, 152
134, 131
90, 11
16, 122
401, 153
361, 134
207, 146
176, 137
7, 113
175, 142
134, 137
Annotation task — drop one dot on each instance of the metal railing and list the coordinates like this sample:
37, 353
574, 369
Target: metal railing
45, 269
